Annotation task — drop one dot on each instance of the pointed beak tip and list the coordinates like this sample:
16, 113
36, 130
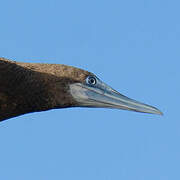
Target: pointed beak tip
161, 113
158, 112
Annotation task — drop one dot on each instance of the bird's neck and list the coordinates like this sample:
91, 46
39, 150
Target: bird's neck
23, 90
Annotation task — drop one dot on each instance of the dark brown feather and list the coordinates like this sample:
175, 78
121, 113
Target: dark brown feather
32, 87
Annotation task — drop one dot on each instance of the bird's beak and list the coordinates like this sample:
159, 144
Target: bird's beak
104, 96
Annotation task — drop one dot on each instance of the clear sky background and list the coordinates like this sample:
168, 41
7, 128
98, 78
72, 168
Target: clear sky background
134, 46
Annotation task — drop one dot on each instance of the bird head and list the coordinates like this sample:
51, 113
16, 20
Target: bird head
84, 89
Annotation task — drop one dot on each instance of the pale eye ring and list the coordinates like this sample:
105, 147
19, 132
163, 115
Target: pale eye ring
91, 80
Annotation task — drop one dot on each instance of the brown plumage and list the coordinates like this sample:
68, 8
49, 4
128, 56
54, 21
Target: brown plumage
31, 87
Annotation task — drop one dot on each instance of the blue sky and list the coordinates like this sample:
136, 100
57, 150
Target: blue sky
134, 46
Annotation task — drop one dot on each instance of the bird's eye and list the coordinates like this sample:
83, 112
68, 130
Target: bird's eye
91, 80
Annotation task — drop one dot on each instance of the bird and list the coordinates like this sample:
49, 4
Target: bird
34, 87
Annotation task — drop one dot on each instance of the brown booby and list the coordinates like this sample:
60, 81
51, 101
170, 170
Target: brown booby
33, 87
